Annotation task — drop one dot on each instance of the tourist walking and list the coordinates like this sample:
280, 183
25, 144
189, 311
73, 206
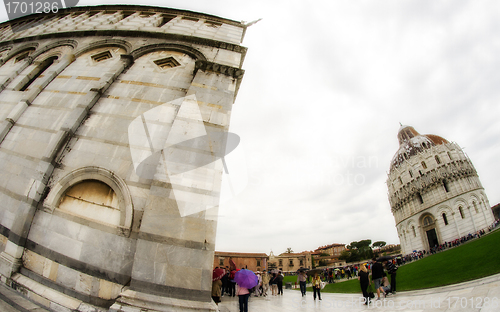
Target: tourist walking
216, 291
316, 284
265, 283
243, 294
279, 282
377, 274
274, 284
302, 278
225, 283
259, 284
364, 281
391, 269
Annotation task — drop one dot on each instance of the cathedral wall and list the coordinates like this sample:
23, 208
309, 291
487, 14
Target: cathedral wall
83, 210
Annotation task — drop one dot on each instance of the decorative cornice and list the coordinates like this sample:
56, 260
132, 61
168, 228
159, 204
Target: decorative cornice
448, 172
219, 69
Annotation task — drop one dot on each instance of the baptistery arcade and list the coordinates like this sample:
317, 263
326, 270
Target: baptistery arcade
434, 192
112, 122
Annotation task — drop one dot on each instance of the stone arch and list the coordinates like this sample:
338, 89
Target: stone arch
475, 200
69, 42
460, 204
445, 212
26, 47
4, 52
122, 44
412, 228
192, 52
430, 230
105, 176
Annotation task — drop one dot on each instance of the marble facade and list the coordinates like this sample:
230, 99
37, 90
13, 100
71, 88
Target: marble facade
113, 121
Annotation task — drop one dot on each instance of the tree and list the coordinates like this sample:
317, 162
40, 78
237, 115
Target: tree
362, 248
345, 254
379, 244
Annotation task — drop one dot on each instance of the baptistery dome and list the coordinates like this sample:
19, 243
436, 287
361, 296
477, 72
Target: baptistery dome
434, 192
411, 143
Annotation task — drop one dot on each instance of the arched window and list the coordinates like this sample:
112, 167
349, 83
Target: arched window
449, 155
420, 199
411, 173
95, 196
475, 206
38, 72
437, 159
400, 180
445, 184
461, 212
424, 165
414, 233
445, 219
427, 221
93, 200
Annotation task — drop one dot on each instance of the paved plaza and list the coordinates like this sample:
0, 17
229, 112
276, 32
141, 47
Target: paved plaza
478, 295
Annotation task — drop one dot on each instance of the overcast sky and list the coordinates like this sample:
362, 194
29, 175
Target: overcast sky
326, 85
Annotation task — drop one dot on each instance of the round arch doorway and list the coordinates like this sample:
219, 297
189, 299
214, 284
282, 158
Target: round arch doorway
428, 223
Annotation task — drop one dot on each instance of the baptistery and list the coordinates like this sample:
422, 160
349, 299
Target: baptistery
435, 193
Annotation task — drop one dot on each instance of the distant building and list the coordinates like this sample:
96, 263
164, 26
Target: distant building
496, 211
290, 262
434, 192
251, 261
333, 249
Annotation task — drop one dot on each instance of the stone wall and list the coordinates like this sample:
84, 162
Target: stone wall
112, 119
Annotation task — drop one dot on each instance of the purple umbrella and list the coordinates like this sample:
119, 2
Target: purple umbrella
246, 278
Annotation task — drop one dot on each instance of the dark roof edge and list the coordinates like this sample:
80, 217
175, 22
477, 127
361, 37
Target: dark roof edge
143, 8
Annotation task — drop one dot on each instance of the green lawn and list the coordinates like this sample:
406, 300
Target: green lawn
473, 260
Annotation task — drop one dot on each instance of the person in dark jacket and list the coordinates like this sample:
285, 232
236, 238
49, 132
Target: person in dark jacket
364, 281
391, 269
377, 275
279, 282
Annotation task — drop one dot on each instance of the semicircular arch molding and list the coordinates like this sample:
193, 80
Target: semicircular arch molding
27, 47
411, 223
192, 52
105, 176
57, 52
444, 209
5, 48
69, 43
427, 219
474, 197
125, 45
460, 202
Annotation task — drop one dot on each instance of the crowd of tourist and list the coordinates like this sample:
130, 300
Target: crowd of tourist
415, 255
369, 273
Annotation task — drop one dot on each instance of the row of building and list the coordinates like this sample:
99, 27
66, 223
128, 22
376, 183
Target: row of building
287, 262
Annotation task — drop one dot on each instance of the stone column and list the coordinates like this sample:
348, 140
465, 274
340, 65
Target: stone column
26, 62
173, 263
473, 222
32, 93
456, 224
